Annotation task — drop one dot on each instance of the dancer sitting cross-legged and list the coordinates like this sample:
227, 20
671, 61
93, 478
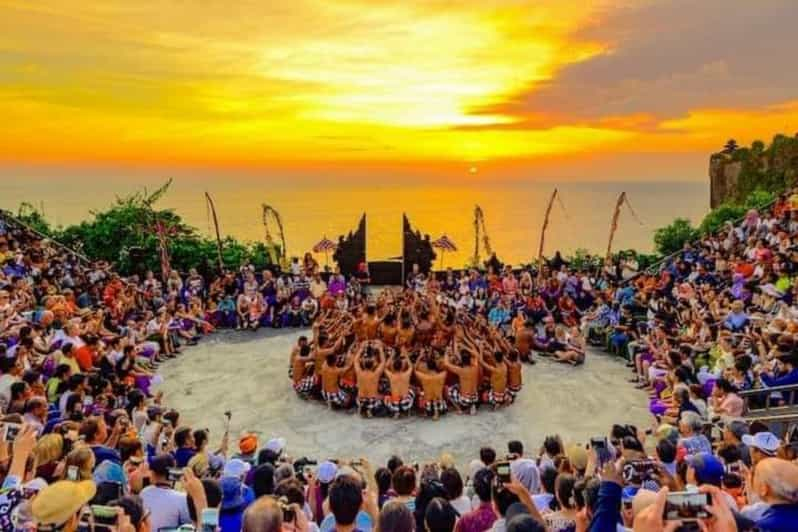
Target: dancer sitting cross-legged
369, 365
464, 395
432, 378
399, 371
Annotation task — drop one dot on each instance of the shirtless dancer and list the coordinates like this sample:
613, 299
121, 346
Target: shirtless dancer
497, 395
368, 370
331, 392
464, 395
432, 380
302, 371
402, 395
515, 379
524, 341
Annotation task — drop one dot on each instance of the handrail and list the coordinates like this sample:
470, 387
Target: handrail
774, 389
657, 265
7, 215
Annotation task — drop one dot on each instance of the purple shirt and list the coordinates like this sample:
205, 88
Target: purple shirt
477, 520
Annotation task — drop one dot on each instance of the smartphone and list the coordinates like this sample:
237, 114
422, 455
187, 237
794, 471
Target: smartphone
637, 471
72, 473
209, 520
686, 506
174, 474
599, 442
503, 472
11, 431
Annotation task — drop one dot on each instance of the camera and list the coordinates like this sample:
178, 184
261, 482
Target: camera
599, 442
503, 472
97, 518
638, 471
174, 474
11, 431
686, 506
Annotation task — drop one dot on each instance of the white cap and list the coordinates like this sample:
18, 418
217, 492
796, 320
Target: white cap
764, 441
275, 445
236, 468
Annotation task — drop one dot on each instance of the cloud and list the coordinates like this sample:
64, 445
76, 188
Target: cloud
664, 58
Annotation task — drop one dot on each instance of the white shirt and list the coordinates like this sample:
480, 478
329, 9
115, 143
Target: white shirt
168, 508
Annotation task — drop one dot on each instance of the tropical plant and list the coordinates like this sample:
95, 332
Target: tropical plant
673, 237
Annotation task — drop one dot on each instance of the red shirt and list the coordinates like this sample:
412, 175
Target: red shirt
85, 358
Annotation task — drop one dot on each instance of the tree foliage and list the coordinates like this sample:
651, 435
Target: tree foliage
673, 237
124, 234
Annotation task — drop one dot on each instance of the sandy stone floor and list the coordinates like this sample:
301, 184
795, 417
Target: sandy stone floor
247, 373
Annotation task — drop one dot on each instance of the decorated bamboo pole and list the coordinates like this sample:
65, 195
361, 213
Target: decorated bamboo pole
216, 227
543, 230
614, 224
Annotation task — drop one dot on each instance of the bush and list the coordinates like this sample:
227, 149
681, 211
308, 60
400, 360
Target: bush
672, 238
125, 235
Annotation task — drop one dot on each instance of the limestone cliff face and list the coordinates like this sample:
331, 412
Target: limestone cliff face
724, 175
736, 172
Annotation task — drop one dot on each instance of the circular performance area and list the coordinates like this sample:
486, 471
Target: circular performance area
405, 353
245, 373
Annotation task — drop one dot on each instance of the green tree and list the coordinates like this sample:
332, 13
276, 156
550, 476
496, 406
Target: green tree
718, 216
672, 238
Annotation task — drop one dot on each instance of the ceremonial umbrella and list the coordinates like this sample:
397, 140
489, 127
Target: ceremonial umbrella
444, 243
325, 245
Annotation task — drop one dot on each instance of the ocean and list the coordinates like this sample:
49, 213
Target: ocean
311, 210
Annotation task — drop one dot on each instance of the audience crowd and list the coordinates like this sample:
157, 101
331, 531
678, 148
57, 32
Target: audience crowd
710, 336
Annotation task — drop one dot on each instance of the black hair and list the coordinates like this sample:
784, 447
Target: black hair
552, 445
548, 476
394, 463
453, 483
666, 451
487, 455
427, 492
263, 480
725, 386
483, 482
383, 479
503, 499
346, 497
440, 516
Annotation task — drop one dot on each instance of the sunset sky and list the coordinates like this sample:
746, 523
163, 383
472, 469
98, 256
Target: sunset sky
511, 86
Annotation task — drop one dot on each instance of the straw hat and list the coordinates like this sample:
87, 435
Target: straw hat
57, 503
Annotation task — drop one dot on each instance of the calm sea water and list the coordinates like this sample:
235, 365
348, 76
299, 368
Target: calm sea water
513, 211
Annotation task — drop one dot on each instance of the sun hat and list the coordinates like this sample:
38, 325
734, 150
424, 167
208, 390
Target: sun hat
248, 443
708, 468
236, 468
58, 502
275, 445
326, 472
577, 455
109, 471
766, 442
232, 493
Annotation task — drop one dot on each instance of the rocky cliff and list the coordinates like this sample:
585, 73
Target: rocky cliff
735, 171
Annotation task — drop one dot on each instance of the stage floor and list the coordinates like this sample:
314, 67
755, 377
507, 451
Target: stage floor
247, 373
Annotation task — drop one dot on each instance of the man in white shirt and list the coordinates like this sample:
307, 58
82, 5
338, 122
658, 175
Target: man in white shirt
168, 507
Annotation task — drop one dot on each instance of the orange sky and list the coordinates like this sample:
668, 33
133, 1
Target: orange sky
443, 84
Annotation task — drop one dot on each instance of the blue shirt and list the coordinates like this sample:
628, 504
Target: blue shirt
779, 518
362, 523
183, 455
785, 380
103, 453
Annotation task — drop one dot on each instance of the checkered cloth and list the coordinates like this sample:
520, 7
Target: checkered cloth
429, 406
368, 403
338, 398
496, 399
304, 386
512, 392
401, 405
458, 398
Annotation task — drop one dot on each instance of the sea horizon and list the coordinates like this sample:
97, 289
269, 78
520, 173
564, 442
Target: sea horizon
312, 210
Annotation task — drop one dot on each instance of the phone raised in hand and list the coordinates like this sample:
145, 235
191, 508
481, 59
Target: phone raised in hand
687, 506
